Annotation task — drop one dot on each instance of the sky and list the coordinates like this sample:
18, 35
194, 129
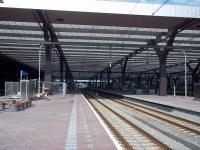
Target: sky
180, 8
173, 2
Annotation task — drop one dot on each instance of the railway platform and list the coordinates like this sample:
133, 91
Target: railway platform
55, 123
179, 102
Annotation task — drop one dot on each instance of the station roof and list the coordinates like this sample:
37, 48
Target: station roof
90, 41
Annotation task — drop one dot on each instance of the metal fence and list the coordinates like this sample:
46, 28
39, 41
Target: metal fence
12, 89
54, 88
26, 89
32, 88
197, 90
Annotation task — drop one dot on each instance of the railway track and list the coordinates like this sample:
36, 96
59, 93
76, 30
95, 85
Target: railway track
121, 116
129, 135
182, 124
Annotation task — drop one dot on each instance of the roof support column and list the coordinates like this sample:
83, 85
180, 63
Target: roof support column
162, 73
61, 69
123, 78
198, 76
48, 71
139, 79
89, 84
66, 76
176, 79
194, 74
101, 75
151, 82
148, 82
108, 77
156, 75
96, 80
169, 80
162, 56
48, 28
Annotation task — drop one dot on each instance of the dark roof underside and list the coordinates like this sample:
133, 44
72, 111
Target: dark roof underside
90, 41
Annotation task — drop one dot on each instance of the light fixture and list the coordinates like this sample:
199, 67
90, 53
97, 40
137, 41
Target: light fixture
60, 19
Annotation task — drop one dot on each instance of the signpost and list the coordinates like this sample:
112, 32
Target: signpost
23, 74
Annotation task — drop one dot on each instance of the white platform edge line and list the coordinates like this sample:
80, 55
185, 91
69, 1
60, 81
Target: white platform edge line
104, 126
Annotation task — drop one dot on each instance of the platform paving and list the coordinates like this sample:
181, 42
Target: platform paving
56, 123
188, 103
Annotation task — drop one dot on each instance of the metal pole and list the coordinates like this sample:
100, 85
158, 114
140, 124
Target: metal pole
174, 90
20, 84
39, 71
185, 74
26, 89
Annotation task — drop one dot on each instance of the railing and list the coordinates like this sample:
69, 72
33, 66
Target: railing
26, 89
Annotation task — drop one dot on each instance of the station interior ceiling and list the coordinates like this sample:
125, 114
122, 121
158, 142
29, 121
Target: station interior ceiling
92, 41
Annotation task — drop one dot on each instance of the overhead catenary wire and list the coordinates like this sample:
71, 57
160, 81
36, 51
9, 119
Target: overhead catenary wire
160, 7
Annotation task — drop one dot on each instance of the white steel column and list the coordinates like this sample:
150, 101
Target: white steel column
185, 74
39, 70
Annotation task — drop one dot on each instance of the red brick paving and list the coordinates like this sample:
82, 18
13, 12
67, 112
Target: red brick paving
41, 127
44, 126
94, 136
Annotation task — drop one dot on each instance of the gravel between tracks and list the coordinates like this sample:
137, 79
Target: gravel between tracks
174, 143
190, 140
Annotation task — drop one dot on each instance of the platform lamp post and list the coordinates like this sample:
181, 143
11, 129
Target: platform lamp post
39, 61
185, 54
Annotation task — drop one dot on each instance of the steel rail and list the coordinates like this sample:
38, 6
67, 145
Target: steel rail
144, 133
145, 110
111, 127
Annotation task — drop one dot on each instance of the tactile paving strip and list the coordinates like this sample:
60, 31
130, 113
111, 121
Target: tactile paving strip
71, 142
